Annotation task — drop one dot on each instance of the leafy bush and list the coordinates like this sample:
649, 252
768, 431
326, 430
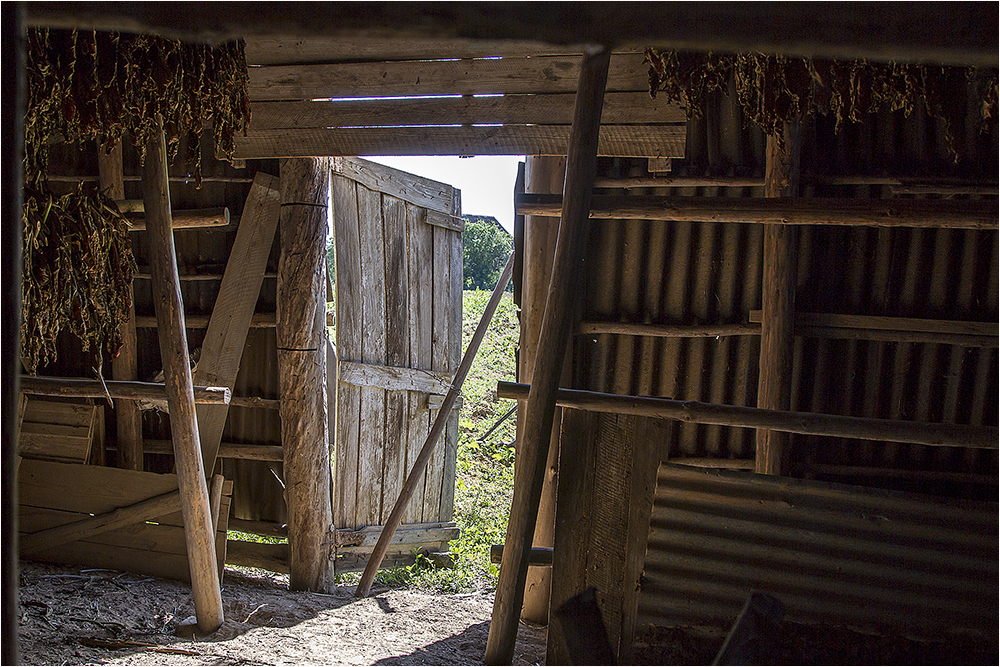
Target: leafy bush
485, 248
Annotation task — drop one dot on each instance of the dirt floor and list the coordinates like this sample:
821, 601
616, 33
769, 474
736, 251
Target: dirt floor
76, 616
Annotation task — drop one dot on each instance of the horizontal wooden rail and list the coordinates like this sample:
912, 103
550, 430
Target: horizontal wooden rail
198, 218
393, 378
254, 402
73, 178
270, 557
227, 450
806, 423
669, 330
195, 277
258, 321
679, 182
898, 329
537, 555
927, 213
268, 528
80, 388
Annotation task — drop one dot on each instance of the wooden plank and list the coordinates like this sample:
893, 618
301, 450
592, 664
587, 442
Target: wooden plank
441, 305
180, 395
413, 189
435, 531
128, 418
222, 346
277, 50
920, 213
882, 323
271, 557
447, 221
545, 109
615, 140
80, 388
227, 450
546, 74
394, 378
421, 258
301, 341
373, 350
805, 423
92, 489
58, 412
200, 218
450, 441
670, 330
558, 322
349, 328
397, 349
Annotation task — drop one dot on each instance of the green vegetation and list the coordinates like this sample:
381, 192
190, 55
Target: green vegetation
485, 248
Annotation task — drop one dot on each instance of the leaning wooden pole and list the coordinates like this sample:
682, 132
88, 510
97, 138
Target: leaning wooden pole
199, 534
415, 475
301, 333
128, 417
558, 322
777, 329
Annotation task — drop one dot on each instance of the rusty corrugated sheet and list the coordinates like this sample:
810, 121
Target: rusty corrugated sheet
834, 555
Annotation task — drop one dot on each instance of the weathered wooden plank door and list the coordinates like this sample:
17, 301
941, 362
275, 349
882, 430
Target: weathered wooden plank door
398, 329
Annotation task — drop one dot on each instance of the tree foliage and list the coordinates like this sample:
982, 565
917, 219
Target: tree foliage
486, 246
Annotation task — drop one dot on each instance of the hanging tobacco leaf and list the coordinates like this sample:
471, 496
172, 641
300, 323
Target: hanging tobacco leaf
78, 266
774, 90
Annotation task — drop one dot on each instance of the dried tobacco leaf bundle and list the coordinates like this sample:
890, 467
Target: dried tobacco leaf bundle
774, 90
78, 265
86, 85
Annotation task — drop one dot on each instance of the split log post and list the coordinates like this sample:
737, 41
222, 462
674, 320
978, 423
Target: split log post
557, 324
128, 417
415, 476
301, 333
777, 341
198, 531
543, 175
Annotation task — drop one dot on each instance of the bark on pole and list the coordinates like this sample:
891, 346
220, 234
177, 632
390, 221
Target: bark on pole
777, 329
542, 175
128, 418
199, 533
305, 193
557, 324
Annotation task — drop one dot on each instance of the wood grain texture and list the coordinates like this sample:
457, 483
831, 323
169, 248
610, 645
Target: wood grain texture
397, 348
441, 342
541, 109
348, 249
546, 74
128, 418
301, 336
413, 189
615, 140
918, 213
180, 395
222, 346
394, 378
79, 388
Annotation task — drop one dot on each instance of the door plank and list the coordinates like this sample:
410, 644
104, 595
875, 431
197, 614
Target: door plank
348, 249
397, 348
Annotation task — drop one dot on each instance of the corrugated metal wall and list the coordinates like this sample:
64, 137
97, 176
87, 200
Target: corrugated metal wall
872, 560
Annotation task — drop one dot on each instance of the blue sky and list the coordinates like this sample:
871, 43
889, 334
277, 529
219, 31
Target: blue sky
486, 181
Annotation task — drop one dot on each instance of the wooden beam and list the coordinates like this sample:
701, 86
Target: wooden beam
128, 417
538, 556
805, 423
950, 33
200, 218
270, 557
79, 388
557, 324
628, 108
227, 450
777, 337
926, 213
225, 338
615, 140
416, 473
305, 194
669, 330
679, 182
394, 378
147, 510
542, 175
899, 329
198, 530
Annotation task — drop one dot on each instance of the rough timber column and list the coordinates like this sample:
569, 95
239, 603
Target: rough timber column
774, 389
543, 175
123, 367
199, 531
305, 191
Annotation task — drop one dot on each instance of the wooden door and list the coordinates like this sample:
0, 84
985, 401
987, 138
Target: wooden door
398, 331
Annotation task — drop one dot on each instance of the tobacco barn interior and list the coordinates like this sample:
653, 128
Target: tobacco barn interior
756, 263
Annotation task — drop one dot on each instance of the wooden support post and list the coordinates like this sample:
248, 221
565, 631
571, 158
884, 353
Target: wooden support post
128, 417
305, 193
557, 324
542, 175
198, 533
774, 389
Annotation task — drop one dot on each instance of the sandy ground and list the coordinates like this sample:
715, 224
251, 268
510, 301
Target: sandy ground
79, 616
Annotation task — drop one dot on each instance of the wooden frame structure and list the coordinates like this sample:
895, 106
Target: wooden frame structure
806, 32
